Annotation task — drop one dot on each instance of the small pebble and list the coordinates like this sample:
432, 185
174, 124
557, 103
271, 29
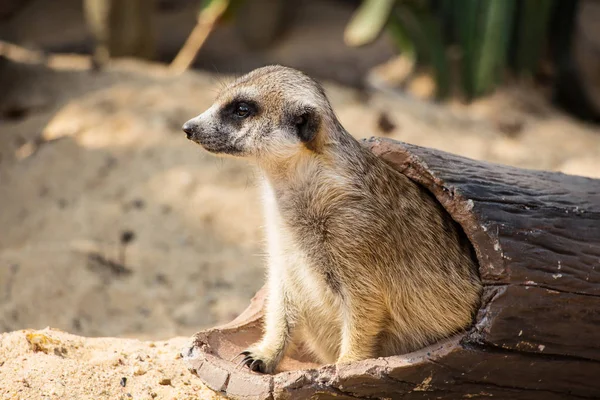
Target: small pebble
127, 236
138, 370
138, 203
165, 381
385, 124
123, 381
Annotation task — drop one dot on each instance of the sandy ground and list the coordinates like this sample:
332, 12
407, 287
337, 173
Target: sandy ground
51, 364
113, 224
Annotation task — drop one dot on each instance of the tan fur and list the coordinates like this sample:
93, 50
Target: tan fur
362, 262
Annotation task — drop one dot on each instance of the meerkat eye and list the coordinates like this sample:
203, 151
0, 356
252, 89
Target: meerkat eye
242, 110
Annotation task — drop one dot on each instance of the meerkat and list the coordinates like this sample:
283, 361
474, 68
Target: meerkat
362, 262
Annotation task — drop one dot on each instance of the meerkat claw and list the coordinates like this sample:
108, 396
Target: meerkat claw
250, 361
244, 361
257, 366
236, 356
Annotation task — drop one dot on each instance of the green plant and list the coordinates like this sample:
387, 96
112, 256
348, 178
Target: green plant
492, 35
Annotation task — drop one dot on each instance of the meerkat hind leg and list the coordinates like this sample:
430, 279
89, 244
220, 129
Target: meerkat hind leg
361, 332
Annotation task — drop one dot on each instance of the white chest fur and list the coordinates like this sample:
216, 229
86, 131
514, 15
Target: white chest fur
302, 281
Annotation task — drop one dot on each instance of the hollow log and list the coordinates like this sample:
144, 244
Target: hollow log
536, 334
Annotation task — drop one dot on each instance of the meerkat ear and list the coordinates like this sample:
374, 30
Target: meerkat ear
306, 123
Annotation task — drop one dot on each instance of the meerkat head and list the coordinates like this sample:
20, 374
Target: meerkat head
272, 112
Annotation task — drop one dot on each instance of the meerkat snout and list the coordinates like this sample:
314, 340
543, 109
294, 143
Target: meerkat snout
189, 127
362, 261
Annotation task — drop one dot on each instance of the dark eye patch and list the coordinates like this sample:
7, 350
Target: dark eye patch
237, 110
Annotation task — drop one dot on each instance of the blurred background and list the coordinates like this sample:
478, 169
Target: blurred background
113, 224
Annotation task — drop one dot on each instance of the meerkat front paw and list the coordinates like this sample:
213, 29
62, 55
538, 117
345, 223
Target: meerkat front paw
259, 360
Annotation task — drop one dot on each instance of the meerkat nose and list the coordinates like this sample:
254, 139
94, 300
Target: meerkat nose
188, 128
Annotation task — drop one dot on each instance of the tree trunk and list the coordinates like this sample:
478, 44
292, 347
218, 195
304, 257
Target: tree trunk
537, 332
121, 28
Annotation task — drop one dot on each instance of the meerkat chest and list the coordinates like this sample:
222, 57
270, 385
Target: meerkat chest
305, 278
304, 227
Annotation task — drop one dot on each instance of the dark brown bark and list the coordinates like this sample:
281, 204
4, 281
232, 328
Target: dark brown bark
537, 332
